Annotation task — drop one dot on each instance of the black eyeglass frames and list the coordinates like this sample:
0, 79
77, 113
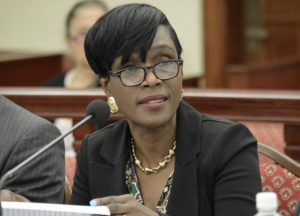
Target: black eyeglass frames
164, 70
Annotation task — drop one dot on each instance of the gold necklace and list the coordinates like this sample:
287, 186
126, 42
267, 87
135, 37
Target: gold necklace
161, 164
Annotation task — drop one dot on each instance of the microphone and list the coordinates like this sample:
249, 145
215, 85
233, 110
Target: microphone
99, 110
96, 112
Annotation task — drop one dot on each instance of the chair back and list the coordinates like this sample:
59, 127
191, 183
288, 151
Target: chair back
282, 177
68, 191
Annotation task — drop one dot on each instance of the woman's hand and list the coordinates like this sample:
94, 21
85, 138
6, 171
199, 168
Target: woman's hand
124, 205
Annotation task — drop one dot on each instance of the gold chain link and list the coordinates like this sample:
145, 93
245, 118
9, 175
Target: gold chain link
161, 164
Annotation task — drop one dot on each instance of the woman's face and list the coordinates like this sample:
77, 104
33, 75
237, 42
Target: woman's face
79, 26
154, 102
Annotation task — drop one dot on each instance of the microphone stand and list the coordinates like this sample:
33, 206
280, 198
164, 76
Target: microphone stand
11, 172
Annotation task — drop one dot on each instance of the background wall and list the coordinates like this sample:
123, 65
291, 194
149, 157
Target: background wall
38, 26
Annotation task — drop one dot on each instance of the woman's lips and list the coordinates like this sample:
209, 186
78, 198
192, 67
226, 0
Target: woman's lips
154, 99
154, 102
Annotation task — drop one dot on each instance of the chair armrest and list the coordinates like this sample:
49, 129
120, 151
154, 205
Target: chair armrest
280, 158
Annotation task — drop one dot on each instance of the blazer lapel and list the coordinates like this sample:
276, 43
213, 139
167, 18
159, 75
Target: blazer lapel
184, 198
109, 177
107, 180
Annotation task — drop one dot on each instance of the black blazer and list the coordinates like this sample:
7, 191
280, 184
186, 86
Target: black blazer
216, 167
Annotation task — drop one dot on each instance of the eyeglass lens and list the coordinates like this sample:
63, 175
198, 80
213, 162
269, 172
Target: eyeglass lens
135, 75
79, 38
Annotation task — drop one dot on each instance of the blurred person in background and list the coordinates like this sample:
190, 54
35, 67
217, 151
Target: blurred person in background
79, 20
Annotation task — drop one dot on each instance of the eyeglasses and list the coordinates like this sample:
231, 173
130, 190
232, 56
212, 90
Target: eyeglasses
164, 70
79, 38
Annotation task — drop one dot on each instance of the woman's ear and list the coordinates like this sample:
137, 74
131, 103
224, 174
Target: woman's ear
68, 41
105, 84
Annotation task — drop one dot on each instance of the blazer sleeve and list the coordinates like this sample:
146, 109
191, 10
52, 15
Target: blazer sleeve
237, 177
43, 179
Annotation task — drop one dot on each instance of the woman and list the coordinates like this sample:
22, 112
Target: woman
79, 20
164, 158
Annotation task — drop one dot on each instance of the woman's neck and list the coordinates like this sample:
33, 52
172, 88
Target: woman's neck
151, 146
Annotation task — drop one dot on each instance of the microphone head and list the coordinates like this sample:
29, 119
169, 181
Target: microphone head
100, 111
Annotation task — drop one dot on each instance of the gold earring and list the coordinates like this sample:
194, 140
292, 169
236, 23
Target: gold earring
112, 105
182, 93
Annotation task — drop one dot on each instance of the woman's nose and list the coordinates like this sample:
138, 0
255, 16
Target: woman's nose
150, 80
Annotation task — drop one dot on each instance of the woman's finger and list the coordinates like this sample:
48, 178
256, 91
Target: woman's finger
111, 199
118, 208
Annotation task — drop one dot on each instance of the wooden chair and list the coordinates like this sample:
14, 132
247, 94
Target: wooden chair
68, 191
281, 176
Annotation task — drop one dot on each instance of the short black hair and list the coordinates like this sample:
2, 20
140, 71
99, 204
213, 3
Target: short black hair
124, 30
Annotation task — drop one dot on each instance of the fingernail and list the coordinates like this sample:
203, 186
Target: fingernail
93, 203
